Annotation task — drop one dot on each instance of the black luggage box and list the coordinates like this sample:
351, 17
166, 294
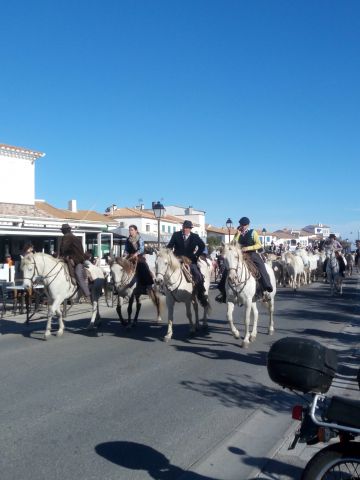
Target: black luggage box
302, 364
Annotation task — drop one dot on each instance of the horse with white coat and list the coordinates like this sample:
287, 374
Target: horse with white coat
241, 290
333, 274
54, 274
179, 289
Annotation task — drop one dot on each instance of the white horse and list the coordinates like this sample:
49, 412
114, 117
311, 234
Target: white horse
333, 274
178, 288
350, 260
126, 285
294, 267
241, 289
54, 274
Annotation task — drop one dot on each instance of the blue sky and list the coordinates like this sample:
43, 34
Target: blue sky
234, 107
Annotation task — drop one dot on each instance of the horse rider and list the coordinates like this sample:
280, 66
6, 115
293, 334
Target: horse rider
185, 243
72, 251
331, 243
250, 244
134, 252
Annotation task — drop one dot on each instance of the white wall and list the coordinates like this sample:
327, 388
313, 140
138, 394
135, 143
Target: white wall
18, 184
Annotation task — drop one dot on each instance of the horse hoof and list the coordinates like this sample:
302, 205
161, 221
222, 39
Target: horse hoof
236, 335
45, 336
245, 345
271, 331
59, 333
159, 320
252, 338
167, 339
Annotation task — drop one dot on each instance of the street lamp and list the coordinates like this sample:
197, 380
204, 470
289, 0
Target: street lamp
264, 233
229, 225
159, 212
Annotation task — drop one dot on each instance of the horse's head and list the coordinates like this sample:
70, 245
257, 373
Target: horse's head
117, 272
232, 259
164, 265
29, 270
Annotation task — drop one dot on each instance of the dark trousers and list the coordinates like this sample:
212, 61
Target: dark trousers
197, 276
260, 265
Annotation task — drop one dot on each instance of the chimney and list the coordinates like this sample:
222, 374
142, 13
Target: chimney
72, 206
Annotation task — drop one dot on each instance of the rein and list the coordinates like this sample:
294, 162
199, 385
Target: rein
46, 276
170, 285
233, 284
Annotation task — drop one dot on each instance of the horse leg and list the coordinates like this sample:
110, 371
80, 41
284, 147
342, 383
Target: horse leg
60, 320
255, 311
118, 310
196, 311
51, 313
129, 309
170, 306
156, 301
229, 313
193, 326
247, 313
138, 308
270, 306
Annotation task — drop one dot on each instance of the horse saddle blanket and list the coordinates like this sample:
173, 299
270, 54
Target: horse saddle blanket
187, 273
251, 266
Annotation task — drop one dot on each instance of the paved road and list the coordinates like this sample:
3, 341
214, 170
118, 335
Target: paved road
126, 405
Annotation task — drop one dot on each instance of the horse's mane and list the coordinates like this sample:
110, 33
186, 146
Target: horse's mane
30, 257
232, 246
174, 262
125, 264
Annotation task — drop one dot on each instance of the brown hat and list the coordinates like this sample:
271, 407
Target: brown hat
65, 226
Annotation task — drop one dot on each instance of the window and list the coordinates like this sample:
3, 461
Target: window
147, 228
163, 228
169, 229
174, 229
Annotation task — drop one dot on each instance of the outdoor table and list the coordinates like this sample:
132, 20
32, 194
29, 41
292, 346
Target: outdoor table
20, 292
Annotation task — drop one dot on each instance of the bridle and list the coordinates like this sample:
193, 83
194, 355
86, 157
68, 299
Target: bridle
234, 284
170, 285
36, 272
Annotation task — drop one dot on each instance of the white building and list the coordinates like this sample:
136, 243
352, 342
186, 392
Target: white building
23, 219
147, 223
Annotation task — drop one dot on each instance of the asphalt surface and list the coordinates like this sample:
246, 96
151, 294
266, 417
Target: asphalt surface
124, 404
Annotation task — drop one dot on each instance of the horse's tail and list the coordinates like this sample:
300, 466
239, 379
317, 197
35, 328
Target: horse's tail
157, 301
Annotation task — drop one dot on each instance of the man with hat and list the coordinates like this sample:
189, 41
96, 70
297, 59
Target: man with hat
331, 243
185, 243
72, 251
250, 244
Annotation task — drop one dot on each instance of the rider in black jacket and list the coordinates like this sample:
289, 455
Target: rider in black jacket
188, 244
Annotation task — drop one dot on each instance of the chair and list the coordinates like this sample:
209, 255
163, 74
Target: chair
6, 297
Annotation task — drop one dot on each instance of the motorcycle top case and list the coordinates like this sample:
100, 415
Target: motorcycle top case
302, 364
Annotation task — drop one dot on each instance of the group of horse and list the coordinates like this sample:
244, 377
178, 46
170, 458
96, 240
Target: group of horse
300, 267
172, 280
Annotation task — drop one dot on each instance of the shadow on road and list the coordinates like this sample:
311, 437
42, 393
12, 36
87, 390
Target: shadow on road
136, 456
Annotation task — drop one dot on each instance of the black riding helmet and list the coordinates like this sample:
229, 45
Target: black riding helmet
244, 221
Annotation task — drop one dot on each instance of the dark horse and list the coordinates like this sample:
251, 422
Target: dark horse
130, 283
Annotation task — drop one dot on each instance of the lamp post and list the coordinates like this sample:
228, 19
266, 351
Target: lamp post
264, 233
159, 212
229, 225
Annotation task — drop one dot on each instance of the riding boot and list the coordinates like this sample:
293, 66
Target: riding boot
221, 298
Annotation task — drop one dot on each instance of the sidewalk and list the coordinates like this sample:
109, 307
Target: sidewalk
285, 464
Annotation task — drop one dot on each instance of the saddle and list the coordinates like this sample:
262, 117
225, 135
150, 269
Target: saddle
251, 266
185, 268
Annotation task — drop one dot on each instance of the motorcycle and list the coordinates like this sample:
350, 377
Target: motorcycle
306, 366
